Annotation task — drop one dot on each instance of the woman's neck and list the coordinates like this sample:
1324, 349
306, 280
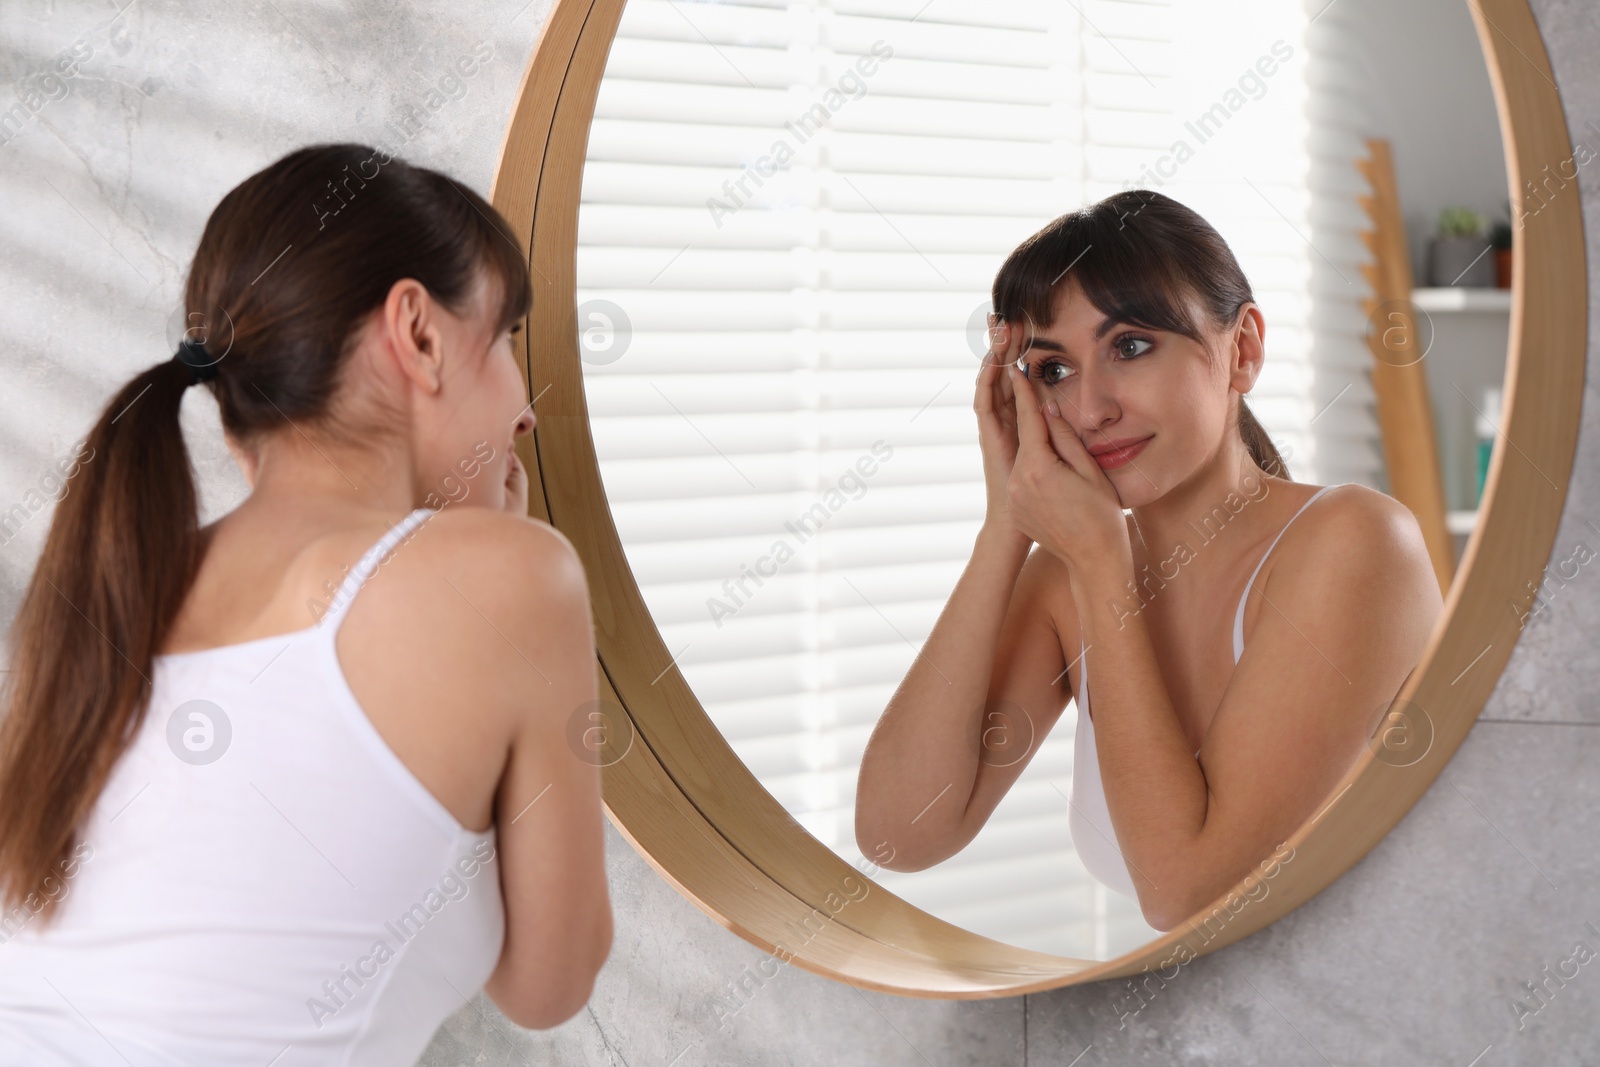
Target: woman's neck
294, 472
1225, 503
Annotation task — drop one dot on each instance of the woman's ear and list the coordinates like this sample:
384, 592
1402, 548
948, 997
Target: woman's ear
409, 330
1248, 349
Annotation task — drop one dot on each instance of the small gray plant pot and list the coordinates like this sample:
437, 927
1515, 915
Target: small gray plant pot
1449, 257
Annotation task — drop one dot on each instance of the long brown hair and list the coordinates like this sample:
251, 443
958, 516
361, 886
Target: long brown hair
1137, 254
290, 263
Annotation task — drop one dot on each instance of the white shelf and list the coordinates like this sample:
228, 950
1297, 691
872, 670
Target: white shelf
1461, 298
1461, 522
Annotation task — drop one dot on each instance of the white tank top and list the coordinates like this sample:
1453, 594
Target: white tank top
1089, 822
262, 881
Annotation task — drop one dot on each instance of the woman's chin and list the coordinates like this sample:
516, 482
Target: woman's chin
1134, 489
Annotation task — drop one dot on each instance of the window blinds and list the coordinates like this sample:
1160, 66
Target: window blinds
791, 215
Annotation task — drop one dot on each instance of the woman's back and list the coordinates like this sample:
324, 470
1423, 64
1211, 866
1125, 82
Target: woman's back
235, 831
262, 873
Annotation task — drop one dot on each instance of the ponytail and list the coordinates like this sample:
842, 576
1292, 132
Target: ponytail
1262, 450
120, 556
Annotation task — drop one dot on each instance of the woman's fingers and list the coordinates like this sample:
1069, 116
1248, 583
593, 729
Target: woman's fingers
994, 352
1064, 440
998, 333
1006, 397
516, 488
1004, 356
1031, 430
993, 396
983, 396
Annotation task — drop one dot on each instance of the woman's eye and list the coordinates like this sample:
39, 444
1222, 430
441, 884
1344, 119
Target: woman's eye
1130, 339
1045, 372
1051, 372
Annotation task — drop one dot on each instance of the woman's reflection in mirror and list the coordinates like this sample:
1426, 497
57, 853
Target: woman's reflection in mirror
1138, 529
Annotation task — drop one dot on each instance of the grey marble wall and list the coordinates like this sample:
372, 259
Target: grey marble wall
1415, 956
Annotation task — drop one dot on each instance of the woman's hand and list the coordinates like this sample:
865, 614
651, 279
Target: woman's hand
1057, 494
516, 488
997, 422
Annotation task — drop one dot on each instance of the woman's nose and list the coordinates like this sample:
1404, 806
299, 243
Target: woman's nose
524, 423
1095, 402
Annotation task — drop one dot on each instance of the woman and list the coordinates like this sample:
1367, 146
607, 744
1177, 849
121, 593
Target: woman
258, 796
1239, 658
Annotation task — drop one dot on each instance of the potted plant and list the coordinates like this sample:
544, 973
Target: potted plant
1500, 240
1458, 254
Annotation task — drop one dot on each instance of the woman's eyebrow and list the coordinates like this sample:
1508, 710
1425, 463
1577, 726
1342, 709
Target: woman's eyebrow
1046, 344
1105, 327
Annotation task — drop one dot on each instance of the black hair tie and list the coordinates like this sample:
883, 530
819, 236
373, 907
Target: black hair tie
193, 355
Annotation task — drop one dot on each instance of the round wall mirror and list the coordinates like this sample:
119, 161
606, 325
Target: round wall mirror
764, 239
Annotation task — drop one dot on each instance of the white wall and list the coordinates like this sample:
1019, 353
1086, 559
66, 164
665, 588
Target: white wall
1430, 95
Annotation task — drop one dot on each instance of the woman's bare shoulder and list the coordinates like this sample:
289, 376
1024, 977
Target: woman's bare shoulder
1375, 520
465, 570
477, 528
500, 554
465, 606
1367, 537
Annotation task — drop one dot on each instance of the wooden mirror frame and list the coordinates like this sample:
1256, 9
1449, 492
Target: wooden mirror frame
680, 795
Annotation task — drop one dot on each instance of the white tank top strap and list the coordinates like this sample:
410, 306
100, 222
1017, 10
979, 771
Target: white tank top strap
367, 566
1238, 616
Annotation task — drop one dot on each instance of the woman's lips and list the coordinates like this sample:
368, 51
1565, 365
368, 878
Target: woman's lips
1121, 456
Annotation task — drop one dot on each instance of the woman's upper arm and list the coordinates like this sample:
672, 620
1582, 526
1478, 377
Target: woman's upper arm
548, 814
1343, 620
